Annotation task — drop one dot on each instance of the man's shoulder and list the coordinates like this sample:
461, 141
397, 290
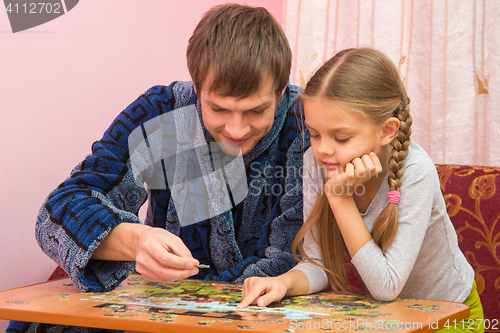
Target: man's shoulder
176, 90
292, 107
155, 101
295, 91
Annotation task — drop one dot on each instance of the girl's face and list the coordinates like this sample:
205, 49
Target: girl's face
338, 135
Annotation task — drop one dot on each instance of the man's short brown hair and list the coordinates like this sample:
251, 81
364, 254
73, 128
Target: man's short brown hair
239, 47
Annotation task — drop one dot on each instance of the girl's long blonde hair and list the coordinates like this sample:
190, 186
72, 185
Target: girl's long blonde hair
366, 81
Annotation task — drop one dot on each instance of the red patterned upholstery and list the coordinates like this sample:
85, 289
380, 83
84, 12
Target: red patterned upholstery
473, 204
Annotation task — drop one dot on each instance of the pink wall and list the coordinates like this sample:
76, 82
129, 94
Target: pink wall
61, 85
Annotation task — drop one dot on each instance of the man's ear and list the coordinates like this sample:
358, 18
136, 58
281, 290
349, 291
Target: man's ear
390, 129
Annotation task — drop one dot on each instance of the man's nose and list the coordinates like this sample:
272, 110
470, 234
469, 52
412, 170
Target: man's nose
237, 128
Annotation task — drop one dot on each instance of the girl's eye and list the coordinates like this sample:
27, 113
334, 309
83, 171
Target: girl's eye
341, 140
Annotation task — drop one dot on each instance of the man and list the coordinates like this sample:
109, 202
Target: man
239, 60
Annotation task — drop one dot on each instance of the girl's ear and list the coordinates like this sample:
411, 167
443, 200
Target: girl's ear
390, 129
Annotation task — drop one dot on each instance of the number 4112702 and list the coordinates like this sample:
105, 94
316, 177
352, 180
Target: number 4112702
472, 323
34, 8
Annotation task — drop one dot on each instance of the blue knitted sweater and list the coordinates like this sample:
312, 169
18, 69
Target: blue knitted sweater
252, 239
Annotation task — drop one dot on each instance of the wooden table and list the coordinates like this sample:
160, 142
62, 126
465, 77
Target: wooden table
190, 305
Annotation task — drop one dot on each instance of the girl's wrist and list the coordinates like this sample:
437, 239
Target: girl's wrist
333, 198
337, 190
287, 280
340, 202
295, 282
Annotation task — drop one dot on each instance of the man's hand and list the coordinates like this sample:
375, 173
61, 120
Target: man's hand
160, 256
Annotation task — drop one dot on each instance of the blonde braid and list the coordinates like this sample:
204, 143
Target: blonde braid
401, 146
386, 225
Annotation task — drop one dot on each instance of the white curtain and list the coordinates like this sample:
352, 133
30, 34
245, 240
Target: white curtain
447, 52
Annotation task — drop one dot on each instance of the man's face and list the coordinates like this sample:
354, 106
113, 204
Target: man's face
240, 121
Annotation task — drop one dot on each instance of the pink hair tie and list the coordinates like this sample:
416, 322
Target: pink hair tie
394, 197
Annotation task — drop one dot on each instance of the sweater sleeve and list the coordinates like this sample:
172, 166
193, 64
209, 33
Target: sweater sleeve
100, 193
385, 274
312, 188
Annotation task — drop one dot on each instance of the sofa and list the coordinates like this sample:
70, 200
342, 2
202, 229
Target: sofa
472, 196
473, 204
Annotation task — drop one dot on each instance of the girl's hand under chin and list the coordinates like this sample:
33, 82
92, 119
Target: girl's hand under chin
356, 173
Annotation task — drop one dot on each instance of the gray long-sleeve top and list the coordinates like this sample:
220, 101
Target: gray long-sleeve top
423, 261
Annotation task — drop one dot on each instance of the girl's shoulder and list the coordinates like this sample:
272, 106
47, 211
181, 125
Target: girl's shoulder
418, 156
312, 169
308, 155
309, 161
418, 164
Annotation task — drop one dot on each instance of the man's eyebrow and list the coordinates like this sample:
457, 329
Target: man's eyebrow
214, 106
264, 105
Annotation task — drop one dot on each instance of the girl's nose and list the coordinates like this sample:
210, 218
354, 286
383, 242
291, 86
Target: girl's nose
325, 147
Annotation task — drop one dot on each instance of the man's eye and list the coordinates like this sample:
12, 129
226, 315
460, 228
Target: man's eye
312, 136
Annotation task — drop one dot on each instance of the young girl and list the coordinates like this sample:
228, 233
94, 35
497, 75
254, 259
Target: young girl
370, 190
